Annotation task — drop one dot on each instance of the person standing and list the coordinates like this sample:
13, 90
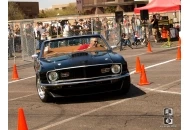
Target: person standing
133, 22
150, 26
126, 24
66, 32
97, 26
154, 23
10, 42
105, 28
17, 39
37, 36
139, 26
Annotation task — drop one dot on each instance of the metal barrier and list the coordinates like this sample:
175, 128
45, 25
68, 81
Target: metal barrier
25, 43
28, 41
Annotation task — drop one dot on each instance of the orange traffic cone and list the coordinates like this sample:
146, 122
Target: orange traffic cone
178, 53
21, 120
15, 74
143, 79
138, 65
149, 48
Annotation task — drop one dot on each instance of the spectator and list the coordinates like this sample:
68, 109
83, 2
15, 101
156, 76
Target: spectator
97, 26
138, 26
54, 32
105, 28
150, 25
67, 29
126, 24
10, 42
17, 39
37, 36
29, 39
154, 23
125, 41
133, 22
42, 31
89, 31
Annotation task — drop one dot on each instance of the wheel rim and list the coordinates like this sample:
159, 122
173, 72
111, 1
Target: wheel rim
41, 92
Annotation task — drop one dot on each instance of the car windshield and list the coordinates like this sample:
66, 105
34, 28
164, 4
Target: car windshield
62, 47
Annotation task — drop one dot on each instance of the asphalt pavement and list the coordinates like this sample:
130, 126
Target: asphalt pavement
141, 109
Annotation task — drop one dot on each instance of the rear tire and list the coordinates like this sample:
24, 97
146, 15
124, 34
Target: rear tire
42, 93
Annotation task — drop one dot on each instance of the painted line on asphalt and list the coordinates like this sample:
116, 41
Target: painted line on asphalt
130, 74
21, 79
21, 97
83, 114
162, 91
151, 66
97, 109
172, 47
134, 55
21, 91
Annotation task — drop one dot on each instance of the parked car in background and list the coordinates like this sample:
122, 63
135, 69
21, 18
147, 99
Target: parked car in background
79, 65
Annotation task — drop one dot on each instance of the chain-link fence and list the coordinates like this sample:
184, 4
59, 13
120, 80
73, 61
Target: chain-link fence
21, 40
28, 41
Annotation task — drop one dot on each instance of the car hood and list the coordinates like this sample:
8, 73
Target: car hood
80, 60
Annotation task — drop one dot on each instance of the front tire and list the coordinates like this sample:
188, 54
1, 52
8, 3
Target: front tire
42, 93
126, 86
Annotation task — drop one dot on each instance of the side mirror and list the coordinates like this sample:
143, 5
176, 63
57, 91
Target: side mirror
34, 56
114, 46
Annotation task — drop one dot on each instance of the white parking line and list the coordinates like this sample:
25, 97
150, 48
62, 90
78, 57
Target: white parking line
21, 79
130, 74
22, 97
160, 63
134, 55
164, 85
162, 91
21, 91
83, 114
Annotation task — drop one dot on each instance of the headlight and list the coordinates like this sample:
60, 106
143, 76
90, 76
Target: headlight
53, 76
115, 69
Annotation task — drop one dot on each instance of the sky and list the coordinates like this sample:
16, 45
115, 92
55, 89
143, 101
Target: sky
48, 3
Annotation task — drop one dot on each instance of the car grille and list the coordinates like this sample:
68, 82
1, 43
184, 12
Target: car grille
84, 72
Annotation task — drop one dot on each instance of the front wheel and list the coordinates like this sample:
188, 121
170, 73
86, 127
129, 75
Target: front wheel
125, 86
42, 93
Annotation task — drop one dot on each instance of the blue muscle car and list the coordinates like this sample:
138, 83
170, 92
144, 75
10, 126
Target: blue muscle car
79, 65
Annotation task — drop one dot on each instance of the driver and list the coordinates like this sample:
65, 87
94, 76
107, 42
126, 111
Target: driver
93, 43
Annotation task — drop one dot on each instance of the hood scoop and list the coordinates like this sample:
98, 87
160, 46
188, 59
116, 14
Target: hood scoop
78, 54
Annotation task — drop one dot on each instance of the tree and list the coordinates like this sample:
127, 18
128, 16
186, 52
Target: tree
14, 12
42, 14
69, 10
110, 9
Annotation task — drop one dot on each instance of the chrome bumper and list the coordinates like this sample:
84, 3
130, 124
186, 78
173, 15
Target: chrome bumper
88, 81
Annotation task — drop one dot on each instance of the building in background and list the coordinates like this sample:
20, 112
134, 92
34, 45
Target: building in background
62, 6
30, 9
99, 6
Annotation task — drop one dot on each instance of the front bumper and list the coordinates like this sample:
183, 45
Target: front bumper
52, 85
